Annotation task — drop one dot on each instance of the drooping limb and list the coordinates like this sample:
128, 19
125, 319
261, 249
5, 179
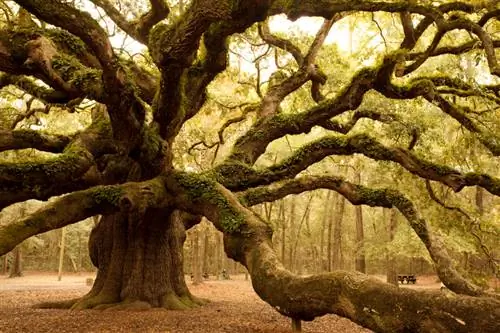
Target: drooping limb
364, 300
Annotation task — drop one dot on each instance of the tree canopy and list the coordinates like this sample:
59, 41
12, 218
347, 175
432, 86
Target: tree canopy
178, 110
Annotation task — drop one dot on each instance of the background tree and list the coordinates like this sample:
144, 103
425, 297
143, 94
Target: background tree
130, 162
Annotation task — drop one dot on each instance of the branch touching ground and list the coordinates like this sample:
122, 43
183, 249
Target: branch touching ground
366, 301
361, 195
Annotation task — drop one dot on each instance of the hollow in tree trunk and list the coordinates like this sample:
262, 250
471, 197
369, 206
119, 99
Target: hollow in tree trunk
141, 265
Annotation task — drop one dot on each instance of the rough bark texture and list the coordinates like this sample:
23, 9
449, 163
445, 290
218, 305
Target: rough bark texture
140, 266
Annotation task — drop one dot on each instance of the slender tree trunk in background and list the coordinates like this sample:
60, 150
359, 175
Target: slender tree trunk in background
326, 210
304, 217
217, 256
337, 262
360, 235
61, 254
282, 218
197, 277
360, 239
391, 273
5, 263
329, 241
16, 270
291, 233
206, 250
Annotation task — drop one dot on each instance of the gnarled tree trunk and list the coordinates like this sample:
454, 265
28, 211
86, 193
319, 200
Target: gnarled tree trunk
141, 265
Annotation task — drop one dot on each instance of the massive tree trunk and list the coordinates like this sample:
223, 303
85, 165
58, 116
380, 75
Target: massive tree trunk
141, 265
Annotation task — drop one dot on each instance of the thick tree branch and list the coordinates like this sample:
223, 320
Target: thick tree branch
22, 139
40, 92
361, 195
239, 176
131, 198
352, 295
78, 23
253, 143
40, 180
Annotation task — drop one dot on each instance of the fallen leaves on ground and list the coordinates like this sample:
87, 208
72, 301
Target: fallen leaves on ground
234, 307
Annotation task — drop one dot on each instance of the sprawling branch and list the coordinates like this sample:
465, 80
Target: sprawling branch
41, 180
253, 143
426, 87
22, 139
125, 110
345, 128
132, 198
352, 295
361, 195
42, 93
78, 23
239, 177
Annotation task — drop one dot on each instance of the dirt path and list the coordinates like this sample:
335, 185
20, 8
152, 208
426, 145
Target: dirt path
234, 308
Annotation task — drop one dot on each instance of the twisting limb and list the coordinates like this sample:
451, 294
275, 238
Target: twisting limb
253, 143
239, 177
133, 198
21, 139
281, 43
361, 195
426, 88
460, 49
358, 297
307, 71
336, 126
42, 93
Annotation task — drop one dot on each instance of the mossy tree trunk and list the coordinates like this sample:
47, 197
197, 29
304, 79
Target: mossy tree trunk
141, 265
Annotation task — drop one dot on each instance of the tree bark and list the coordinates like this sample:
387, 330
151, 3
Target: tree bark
140, 263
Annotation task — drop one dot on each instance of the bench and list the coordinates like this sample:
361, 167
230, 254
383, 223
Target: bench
407, 278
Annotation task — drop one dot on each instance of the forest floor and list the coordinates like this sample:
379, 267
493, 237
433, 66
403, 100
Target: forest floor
234, 307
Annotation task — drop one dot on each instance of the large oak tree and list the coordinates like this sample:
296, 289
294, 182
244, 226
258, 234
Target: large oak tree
122, 165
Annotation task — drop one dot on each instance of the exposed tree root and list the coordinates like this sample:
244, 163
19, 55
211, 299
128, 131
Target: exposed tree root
102, 302
57, 305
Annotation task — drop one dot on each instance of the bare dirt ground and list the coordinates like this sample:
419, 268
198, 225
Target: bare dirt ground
234, 307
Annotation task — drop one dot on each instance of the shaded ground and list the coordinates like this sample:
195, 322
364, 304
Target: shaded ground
234, 307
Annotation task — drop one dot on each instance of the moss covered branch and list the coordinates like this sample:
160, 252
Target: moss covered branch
131, 198
21, 139
237, 176
362, 195
42, 179
366, 301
